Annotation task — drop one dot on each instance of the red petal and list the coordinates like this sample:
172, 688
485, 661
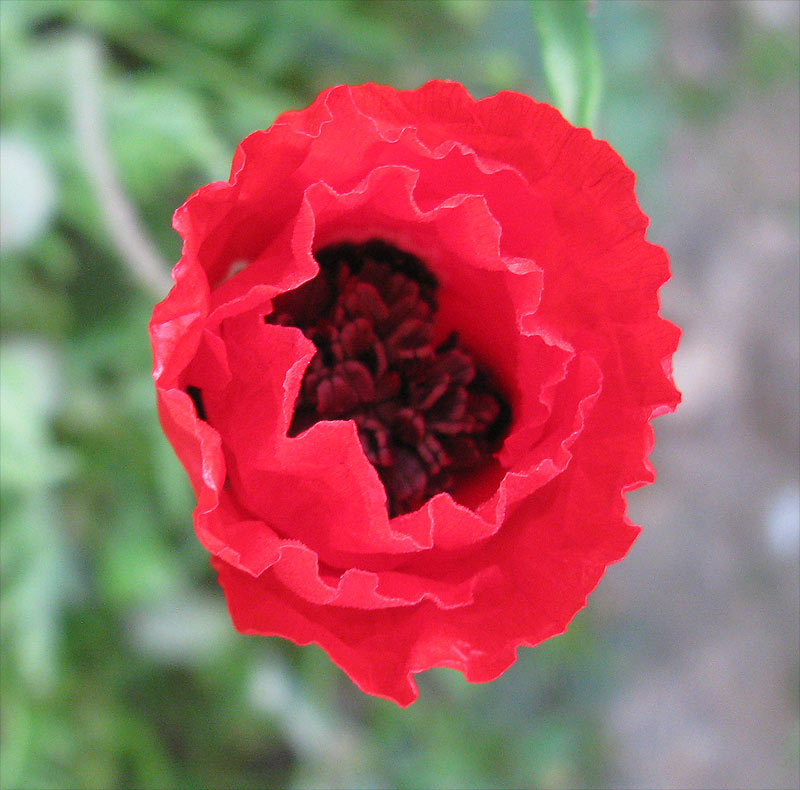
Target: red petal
533, 231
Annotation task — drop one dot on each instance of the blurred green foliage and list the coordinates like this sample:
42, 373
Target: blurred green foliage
119, 665
571, 58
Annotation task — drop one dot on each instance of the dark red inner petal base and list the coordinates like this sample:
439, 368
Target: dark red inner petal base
423, 412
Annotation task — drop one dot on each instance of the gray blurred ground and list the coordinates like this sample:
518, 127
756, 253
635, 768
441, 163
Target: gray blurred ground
707, 603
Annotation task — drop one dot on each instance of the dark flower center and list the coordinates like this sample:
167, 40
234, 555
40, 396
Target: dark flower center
424, 413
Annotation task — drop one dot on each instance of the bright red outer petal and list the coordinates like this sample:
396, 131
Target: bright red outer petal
532, 229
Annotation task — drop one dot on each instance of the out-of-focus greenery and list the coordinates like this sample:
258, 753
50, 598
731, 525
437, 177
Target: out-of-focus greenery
119, 664
570, 58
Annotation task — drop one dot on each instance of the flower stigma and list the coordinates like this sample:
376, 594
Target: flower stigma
424, 412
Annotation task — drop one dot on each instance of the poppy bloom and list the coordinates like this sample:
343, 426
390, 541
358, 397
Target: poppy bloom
409, 363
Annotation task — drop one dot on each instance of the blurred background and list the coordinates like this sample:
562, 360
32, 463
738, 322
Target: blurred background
120, 668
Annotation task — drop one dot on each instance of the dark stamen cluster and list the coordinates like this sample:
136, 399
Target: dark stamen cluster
423, 412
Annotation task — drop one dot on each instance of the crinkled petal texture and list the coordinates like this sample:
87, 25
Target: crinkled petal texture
533, 232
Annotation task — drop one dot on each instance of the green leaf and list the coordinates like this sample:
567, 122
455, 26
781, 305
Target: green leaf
570, 58
38, 572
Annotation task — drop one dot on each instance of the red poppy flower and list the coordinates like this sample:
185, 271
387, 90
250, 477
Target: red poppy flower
409, 363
